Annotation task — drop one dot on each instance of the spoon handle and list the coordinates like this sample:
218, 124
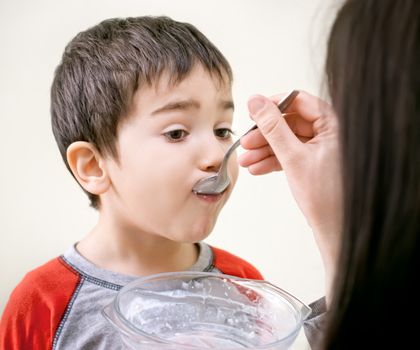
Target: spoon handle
235, 145
287, 100
282, 105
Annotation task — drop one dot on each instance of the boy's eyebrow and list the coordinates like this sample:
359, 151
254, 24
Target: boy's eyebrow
228, 104
177, 105
187, 104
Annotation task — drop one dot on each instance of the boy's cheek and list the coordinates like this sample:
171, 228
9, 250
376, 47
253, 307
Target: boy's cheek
233, 169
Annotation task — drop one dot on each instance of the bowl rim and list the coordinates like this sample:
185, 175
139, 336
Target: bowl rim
305, 309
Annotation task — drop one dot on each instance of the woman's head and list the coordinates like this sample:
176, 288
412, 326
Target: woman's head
373, 69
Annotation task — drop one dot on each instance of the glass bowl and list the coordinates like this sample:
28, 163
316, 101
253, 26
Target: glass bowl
203, 310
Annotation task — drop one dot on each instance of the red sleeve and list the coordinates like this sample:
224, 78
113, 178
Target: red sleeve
232, 265
36, 307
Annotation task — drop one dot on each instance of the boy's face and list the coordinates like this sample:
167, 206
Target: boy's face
173, 137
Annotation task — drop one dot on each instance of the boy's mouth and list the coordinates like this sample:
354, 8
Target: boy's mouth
211, 198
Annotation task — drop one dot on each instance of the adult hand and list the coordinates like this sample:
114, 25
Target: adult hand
305, 145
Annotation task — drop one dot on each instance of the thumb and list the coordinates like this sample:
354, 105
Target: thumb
273, 126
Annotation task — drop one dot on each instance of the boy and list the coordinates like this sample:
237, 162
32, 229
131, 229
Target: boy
141, 111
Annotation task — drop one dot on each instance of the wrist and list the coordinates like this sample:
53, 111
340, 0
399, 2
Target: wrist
329, 247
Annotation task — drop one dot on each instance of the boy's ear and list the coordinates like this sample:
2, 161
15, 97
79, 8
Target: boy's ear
87, 166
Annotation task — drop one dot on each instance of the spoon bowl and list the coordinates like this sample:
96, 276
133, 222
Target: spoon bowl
216, 184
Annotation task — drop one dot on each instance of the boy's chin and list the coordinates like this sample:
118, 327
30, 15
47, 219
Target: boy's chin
195, 237
197, 234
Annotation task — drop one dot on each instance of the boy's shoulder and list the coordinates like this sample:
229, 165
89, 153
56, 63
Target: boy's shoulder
233, 265
37, 304
52, 279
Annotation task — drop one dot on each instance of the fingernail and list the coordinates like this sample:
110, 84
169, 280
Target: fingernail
256, 104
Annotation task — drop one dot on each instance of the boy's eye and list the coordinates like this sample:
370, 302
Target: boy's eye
176, 135
223, 133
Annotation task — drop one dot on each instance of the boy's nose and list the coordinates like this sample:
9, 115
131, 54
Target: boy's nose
211, 154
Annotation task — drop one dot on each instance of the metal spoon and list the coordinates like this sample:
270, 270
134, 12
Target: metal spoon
216, 184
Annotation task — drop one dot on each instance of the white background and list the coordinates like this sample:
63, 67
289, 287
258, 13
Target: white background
272, 45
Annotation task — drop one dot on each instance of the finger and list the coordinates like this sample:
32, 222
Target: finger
301, 128
265, 166
274, 127
253, 140
308, 106
254, 156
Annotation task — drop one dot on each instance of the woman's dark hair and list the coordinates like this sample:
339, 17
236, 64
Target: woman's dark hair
102, 67
373, 70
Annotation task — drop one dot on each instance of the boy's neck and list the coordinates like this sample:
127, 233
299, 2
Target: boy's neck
137, 254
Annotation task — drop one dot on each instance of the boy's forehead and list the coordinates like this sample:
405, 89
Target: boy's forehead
167, 81
196, 87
